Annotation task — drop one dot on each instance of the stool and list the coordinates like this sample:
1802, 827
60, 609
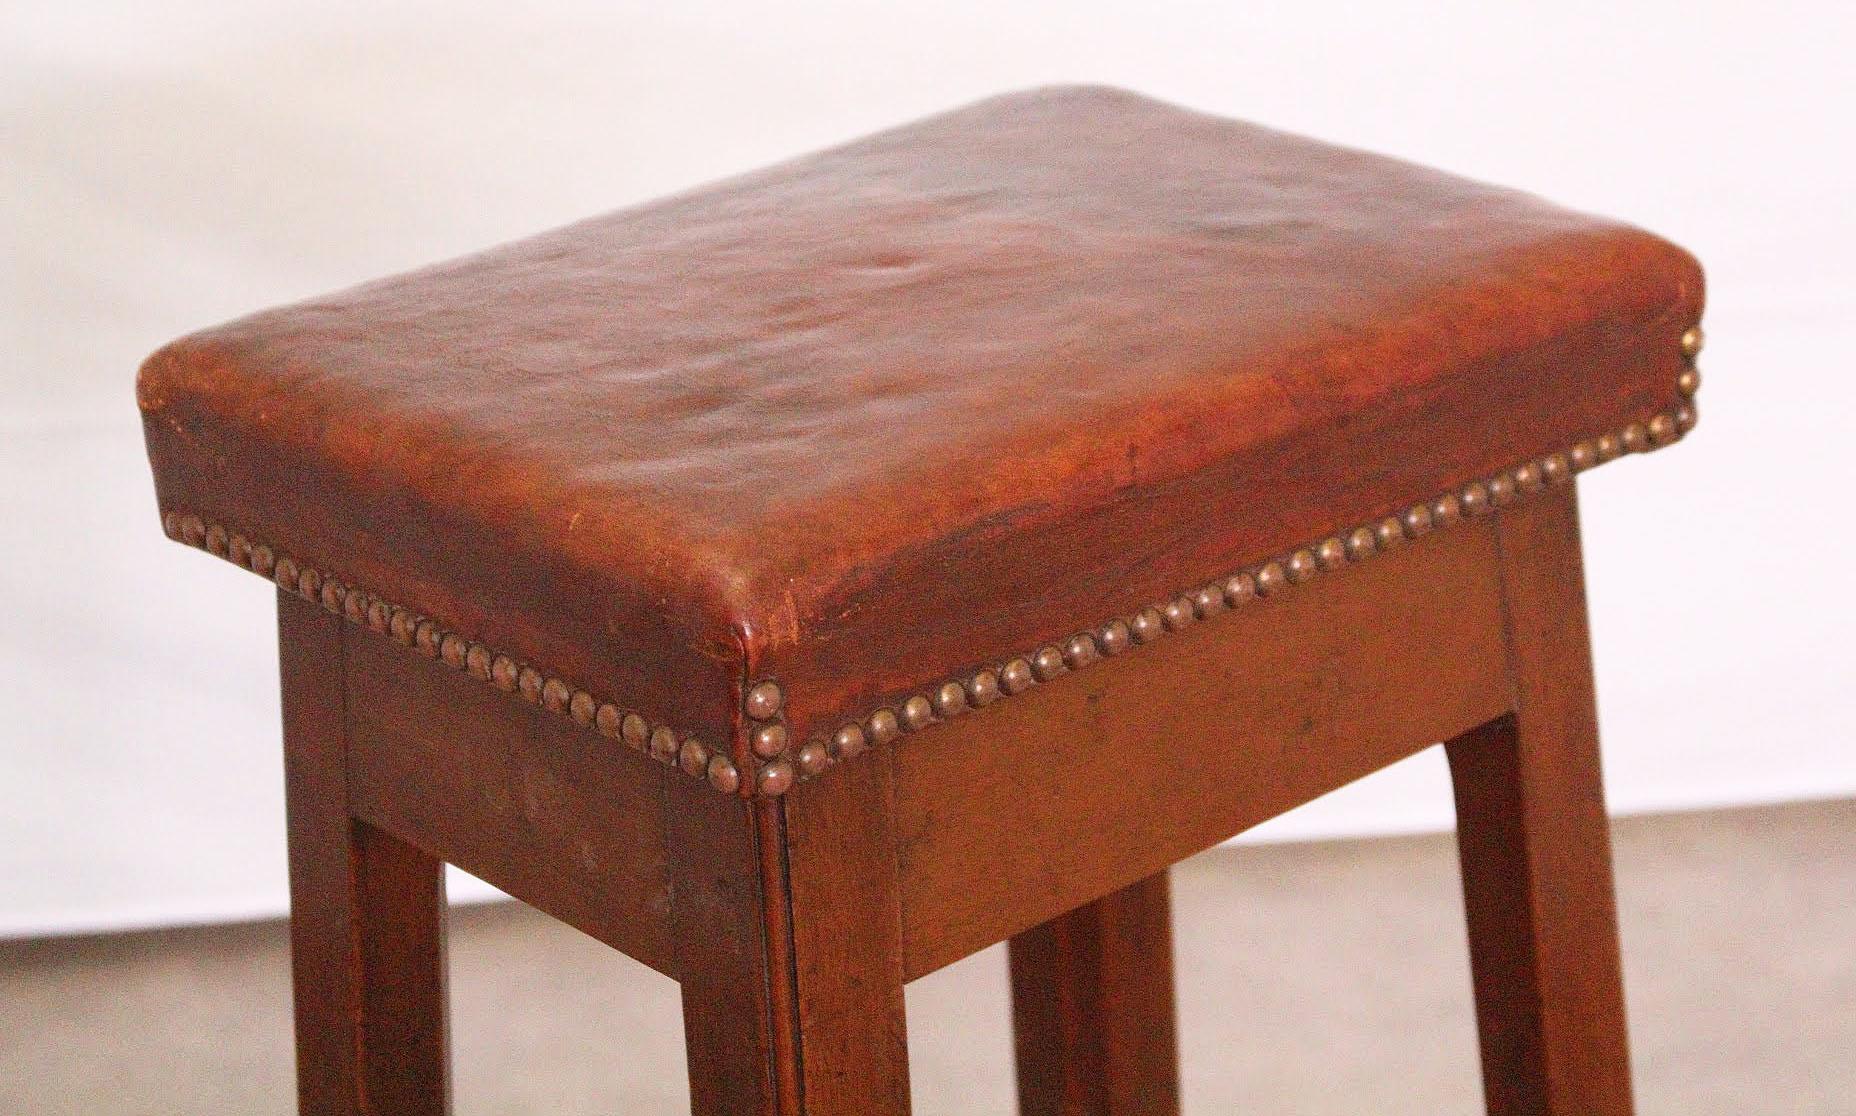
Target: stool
803, 582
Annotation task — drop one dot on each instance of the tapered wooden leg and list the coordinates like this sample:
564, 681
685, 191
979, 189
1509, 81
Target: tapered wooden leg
1535, 847
1092, 1009
789, 944
366, 911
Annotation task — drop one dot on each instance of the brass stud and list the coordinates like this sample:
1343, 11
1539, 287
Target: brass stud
917, 713
555, 695
1240, 589
529, 684
1331, 554
983, 688
663, 744
582, 708
848, 741
1688, 381
1207, 601
768, 740
477, 661
813, 757
1389, 532
764, 701
426, 638
1302, 566
1116, 637
451, 650
1582, 456
1502, 490
216, 540
1048, 663
1079, 651
263, 560
192, 530
1475, 498
774, 779
503, 670
1686, 417
723, 776
1608, 447
1662, 429
1178, 613
1271, 579
1528, 477
884, 727
1555, 469
1417, 520
693, 757
1446, 509
606, 719
1148, 625
284, 573
1635, 438
950, 700
1362, 543
635, 730
1692, 339
1016, 676
238, 550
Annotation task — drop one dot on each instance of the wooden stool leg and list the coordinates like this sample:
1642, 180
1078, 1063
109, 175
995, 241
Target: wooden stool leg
1535, 847
789, 943
1092, 1009
366, 911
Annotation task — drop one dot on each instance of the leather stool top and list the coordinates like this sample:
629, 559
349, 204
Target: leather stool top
754, 476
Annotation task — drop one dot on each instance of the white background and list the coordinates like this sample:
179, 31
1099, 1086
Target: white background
165, 166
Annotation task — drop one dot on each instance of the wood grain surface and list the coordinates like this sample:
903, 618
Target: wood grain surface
562, 819
1094, 1026
367, 911
1536, 847
1087, 784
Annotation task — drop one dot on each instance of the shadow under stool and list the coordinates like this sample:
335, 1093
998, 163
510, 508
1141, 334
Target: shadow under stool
806, 581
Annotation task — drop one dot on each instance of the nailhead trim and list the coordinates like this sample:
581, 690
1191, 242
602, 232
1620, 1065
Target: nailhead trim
764, 702
645, 735
1269, 578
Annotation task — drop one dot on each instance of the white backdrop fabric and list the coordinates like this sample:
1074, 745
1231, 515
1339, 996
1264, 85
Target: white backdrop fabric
164, 166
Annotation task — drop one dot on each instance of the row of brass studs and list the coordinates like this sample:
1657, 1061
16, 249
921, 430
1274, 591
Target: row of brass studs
769, 740
1478, 498
358, 606
764, 701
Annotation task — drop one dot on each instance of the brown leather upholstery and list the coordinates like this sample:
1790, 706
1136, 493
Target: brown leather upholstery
871, 417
